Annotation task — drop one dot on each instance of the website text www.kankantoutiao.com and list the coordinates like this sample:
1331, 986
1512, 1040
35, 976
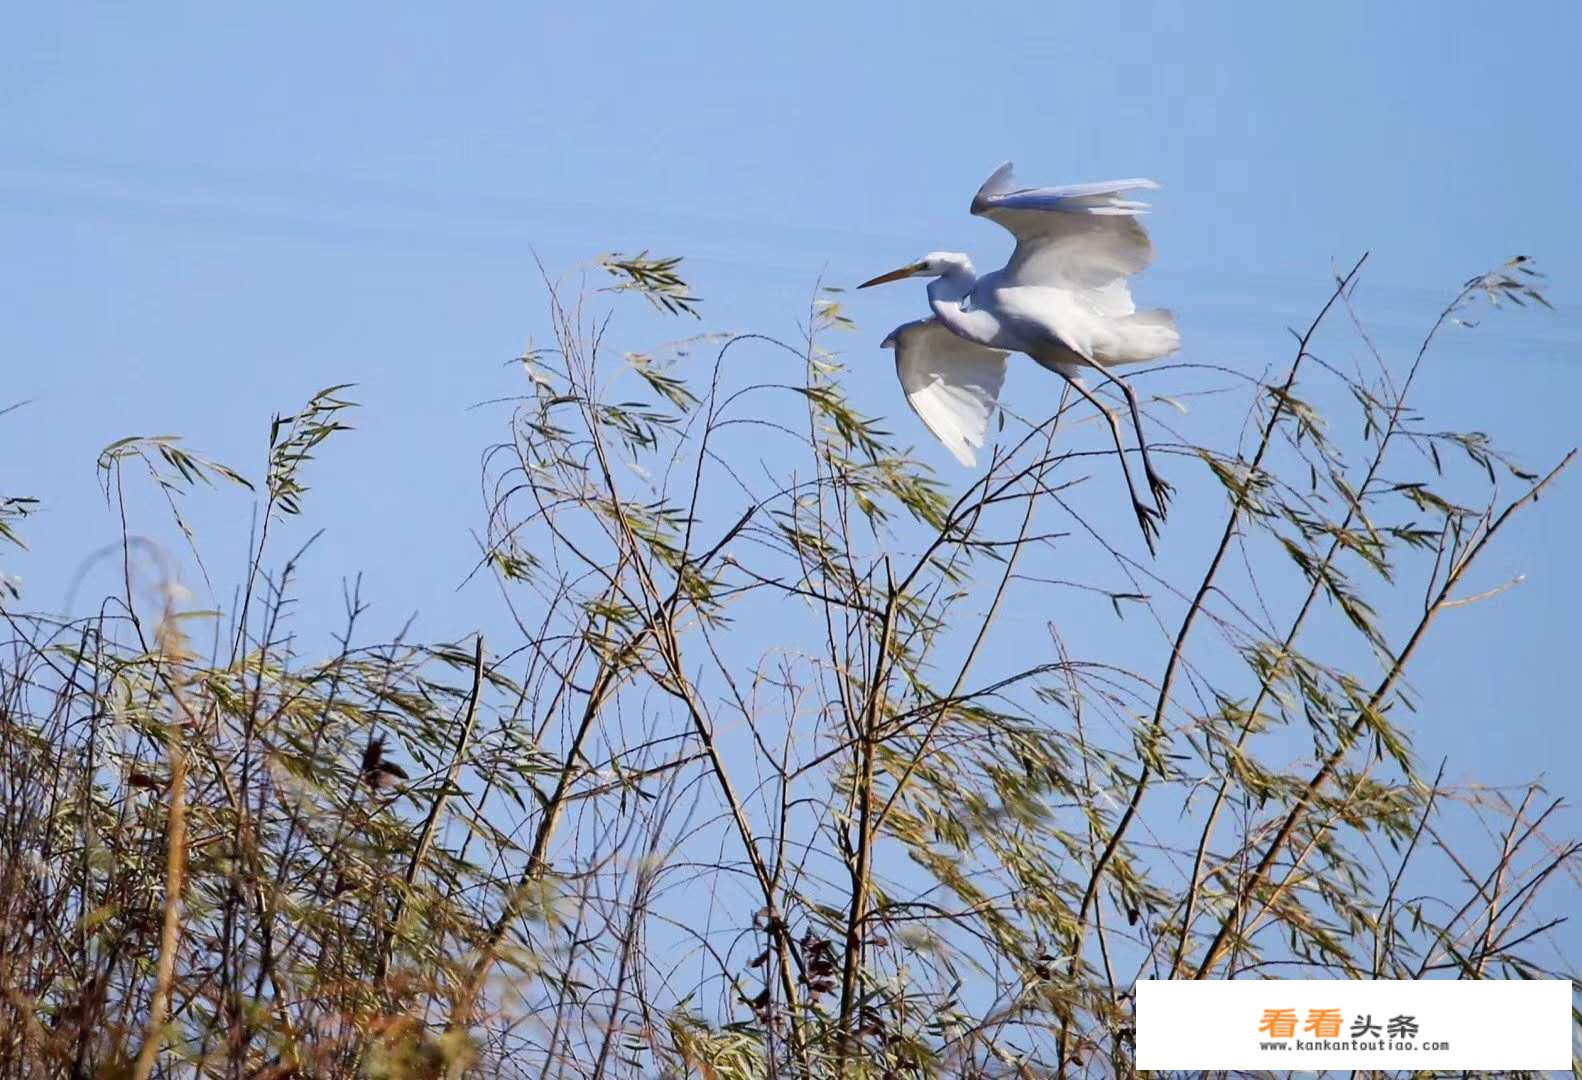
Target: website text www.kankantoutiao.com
1362, 1046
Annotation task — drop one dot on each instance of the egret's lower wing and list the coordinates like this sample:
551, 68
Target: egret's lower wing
951, 383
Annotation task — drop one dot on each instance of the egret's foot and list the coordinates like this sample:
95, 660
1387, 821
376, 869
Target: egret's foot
1161, 492
1148, 520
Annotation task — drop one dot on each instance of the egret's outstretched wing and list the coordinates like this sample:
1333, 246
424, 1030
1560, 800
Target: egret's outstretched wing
1083, 236
951, 383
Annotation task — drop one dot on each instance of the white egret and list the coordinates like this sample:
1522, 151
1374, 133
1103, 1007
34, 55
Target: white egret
1062, 299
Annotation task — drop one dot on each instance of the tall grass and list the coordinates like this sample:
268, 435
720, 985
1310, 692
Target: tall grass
792, 762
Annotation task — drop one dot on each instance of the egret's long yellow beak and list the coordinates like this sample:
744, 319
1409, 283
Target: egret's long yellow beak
894, 275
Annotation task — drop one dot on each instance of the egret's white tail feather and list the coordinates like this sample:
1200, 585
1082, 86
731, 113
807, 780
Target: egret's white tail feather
1146, 335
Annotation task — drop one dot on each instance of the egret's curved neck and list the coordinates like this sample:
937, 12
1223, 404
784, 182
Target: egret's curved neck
947, 295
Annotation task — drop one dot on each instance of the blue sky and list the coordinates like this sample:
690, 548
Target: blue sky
210, 212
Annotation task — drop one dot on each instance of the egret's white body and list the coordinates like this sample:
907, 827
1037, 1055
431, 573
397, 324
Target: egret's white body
1063, 299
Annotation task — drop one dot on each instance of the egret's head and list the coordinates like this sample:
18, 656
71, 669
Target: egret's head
934, 264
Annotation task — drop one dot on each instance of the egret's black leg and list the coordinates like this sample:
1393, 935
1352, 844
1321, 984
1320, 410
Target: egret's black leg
1160, 490
1156, 483
1148, 518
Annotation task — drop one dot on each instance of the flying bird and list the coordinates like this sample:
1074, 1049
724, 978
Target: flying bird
1062, 299
378, 772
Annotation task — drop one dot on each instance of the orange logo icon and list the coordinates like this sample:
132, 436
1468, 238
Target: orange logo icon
1278, 1023
1324, 1023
